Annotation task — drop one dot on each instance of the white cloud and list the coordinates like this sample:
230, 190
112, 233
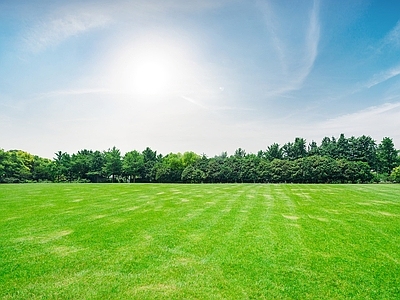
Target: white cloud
393, 37
73, 92
376, 121
53, 30
195, 102
312, 41
182, 5
383, 76
296, 45
307, 57
61, 22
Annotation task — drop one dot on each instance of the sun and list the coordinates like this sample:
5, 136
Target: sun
149, 68
152, 75
152, 67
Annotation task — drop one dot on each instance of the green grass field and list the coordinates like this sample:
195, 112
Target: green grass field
118, 241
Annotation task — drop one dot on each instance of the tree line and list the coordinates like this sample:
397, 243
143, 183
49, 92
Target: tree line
334, 160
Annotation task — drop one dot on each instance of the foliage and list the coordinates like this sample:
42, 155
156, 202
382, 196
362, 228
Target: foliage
113, 163
395, 175
150, 158
193, 175
387, 155
342, 160
132, 165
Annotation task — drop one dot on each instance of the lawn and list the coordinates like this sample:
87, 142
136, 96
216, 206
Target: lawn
160, 241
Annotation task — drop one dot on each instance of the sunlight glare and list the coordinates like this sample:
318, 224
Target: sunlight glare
152, 75
151, 68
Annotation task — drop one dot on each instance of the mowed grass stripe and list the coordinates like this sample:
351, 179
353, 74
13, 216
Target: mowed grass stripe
199, 241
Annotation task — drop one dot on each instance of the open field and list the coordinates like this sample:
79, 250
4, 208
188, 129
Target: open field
88, 241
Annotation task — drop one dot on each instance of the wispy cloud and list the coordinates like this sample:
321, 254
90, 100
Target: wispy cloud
312, 41
393, 37
271, 21
376, 121
73, 19
296, 59
57, 27
182, 5
195, 102
383, 76
72, 92
214, 108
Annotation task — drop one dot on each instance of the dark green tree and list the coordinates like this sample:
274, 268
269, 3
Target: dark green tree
328, 147
3, 162
273, 152
387, 156
313, 149
170, 168
132, 165
192, 174
63, 170
250, 168
299, 148
43, 169
81, 164
342, 148
363, 149
96, 167
288, 151
214, 173
113, 163
150, 158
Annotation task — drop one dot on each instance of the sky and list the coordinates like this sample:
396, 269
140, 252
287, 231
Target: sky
207, 76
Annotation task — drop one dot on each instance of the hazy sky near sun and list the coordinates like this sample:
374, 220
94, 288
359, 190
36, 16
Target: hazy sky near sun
196, 75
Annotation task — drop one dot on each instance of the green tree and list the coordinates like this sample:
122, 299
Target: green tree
313, 149
263, 171
150, 158
281, 170
202, 164
193, 175
240, 153
318, 169
363, 149
250, 168
62, 163
132, 165
214, 170
395, 174
354, 171
219, 168
293, 151
97, 162
233, 169
387, 156
273, 152
170, 168
3, 161
299, 148
342, 147
20, 165
328, 147
81, 164
288, 151
113, 163
43, 169
189, 158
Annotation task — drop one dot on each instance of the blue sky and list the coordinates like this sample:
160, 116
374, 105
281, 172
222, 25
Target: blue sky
203, 76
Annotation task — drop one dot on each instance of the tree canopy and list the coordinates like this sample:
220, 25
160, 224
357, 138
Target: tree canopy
335, 160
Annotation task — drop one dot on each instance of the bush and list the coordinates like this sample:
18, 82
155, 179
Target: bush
395, 176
